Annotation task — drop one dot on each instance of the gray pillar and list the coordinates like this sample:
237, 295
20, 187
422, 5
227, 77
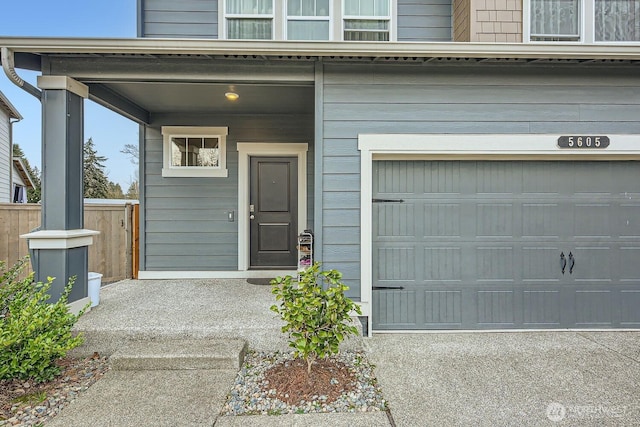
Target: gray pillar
61, 246
62, 144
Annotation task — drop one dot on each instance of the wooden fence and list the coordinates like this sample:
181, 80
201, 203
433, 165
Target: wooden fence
111, 253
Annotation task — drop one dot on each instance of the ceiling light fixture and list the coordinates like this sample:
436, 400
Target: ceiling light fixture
232, 95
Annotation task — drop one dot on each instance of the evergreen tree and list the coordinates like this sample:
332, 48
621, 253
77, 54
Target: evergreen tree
33, 194
96, 184
115, 191
17, 152
133, 193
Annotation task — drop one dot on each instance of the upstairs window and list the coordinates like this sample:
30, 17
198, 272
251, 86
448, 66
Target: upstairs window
584, 20
194, 151
555, 20
617, 20
249, 19
301, 20
366, 20
308, 20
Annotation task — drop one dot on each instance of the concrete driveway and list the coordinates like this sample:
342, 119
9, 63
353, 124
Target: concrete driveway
439, 379
501, 379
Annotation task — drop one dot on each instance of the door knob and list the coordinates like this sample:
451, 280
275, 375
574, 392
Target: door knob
252, 216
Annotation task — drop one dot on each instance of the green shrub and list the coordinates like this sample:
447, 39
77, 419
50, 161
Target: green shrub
33, 333
316, 312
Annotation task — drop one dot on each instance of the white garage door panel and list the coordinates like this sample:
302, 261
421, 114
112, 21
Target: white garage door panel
477, 245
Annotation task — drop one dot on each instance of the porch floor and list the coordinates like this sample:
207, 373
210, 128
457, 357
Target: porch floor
207, 308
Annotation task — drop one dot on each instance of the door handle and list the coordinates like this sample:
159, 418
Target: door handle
563, 262
572, 262
252, 216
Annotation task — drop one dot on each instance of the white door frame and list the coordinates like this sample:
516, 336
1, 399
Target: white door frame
245, 151
460, 147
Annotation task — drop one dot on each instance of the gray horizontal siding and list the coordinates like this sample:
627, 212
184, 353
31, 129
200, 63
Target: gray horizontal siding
184, 18
442, 99
418, 20
185, 222
5, 159
424, 20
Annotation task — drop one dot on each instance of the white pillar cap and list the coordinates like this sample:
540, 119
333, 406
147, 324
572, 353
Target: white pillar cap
63, 83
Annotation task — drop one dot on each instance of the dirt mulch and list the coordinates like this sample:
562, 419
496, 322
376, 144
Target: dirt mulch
329, 378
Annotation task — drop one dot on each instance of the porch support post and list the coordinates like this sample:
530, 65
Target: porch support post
59, 249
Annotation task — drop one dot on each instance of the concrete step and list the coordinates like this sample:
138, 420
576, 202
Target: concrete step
179, 354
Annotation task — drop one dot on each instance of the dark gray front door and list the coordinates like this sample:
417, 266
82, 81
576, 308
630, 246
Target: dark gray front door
496, 245
274, 217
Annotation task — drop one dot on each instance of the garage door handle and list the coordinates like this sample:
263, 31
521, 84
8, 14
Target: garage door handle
377, 288
563, 262
572, 263
387, 200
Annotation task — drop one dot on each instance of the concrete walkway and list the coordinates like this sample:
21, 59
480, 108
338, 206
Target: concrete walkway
549, 378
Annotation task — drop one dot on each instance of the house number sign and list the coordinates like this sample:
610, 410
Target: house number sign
583, 141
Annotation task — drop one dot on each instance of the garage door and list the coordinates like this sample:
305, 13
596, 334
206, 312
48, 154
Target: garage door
506, 244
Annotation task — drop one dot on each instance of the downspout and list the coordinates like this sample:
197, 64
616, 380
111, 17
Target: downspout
8, 65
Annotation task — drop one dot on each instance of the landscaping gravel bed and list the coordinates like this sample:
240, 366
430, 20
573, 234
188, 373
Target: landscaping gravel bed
251, 394
24, 403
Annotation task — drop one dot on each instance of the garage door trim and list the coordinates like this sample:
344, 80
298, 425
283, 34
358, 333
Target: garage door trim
460, 147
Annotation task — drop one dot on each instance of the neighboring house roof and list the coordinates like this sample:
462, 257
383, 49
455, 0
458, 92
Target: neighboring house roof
20, 168
6, 105
309, 50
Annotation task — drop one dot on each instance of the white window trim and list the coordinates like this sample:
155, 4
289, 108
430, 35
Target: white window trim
392, 18
194, 171
275, 16
280, 17
245, 151
288, 18
459, 147
586, 26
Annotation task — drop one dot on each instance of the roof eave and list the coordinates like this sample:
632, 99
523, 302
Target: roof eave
173, 46
22, 170
8, 106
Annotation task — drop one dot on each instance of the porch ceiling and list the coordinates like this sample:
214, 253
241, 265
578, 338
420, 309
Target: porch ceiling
190, 97
139, 86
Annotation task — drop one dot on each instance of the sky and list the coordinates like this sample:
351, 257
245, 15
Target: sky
71, 18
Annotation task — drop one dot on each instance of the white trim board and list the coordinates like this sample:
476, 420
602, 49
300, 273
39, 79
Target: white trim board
248, 274
60, 239
461, 147
247, 150
315, 49
76, 306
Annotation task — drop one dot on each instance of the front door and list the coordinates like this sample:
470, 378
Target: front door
273, 206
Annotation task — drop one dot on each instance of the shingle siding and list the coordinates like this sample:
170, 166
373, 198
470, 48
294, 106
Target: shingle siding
488, 21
